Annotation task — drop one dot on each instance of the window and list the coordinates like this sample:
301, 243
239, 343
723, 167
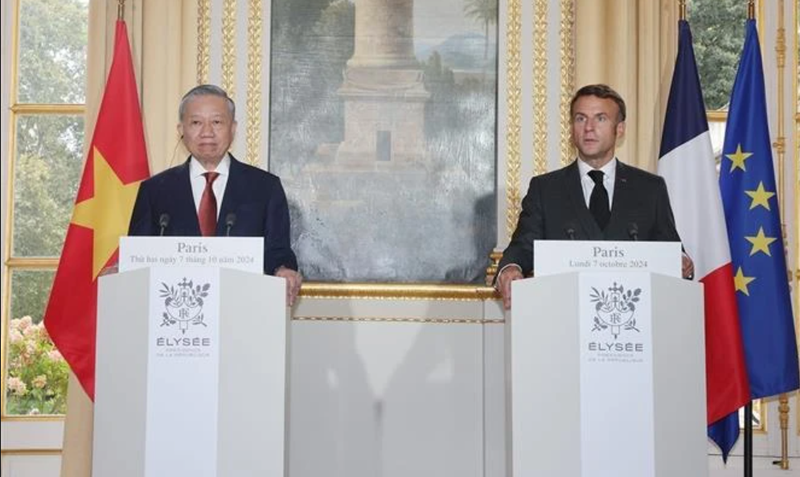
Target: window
45, 157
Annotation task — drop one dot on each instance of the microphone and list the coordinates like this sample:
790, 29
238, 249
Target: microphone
633, 231
230, 221
163, 221
570, 231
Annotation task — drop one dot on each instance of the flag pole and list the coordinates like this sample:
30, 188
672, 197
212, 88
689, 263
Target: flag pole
748, 409
748, 439
121, 10
681, 9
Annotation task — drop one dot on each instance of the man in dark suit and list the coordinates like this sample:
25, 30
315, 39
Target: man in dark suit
597, 197
182, 201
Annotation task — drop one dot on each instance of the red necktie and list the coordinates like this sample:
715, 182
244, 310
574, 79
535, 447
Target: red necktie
207, 215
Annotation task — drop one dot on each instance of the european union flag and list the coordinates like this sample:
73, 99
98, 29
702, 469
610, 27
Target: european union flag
750, 200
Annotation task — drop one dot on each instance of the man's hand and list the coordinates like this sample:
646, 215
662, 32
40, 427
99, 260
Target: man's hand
109, 270
293, 282
687, 267
508, 275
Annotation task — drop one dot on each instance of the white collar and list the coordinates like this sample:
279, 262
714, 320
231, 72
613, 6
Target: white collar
197, 170
610, 169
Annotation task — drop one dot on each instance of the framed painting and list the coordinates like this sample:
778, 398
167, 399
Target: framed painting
383, 126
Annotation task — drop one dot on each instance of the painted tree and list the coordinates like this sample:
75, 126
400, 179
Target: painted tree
484, 12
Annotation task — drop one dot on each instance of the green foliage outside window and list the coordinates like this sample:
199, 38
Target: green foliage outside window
718, 31
46, 175
53, 36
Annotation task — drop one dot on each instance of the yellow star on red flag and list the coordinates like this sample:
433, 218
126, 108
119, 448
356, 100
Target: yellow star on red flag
107, 213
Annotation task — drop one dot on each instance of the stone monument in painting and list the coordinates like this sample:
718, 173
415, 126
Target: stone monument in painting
383, 92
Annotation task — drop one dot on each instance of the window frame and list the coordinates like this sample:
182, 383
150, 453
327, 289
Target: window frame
11, 263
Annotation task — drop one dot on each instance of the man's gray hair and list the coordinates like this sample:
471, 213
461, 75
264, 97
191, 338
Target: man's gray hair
206, 90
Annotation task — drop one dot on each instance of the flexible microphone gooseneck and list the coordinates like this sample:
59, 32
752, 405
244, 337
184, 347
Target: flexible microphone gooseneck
163, 222
633, 231
230, 221
570, 231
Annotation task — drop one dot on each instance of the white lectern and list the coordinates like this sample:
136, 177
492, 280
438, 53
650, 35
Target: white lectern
607, 365
190, 362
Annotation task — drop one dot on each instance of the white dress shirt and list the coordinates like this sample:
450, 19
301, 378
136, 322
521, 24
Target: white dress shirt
198, 181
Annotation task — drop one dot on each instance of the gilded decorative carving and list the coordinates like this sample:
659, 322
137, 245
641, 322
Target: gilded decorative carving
540, 87
203, 40
254, 29
796, 182
397, 291
494, 262
567, 76
400, 319
780, 150
229, 47
513, 161
780, 140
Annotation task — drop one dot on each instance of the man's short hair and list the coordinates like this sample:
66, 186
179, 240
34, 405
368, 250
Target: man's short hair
206, 90
601, 91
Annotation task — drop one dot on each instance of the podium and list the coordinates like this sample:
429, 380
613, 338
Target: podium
607, 365
190, 362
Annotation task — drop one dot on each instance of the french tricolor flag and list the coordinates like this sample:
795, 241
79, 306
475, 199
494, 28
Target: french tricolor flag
687, 165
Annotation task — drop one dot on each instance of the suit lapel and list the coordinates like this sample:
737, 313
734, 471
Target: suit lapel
230, 200
185, 199
578, 203
621, 201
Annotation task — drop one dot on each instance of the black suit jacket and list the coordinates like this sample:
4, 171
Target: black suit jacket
254, 195
555, 208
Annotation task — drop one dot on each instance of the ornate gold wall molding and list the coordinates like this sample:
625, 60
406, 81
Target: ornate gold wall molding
229, 47
796, 182
203, 40
540, 77
513, 160
567, 77
254, 33
397, 291
780, 140
400, 319
780, 151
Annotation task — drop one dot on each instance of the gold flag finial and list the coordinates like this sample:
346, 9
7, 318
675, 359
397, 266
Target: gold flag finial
682, 10
121, 10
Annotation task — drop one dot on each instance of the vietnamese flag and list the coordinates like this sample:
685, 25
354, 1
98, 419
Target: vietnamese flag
115, 165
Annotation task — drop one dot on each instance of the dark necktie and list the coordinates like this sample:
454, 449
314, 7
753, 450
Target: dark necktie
207, 214
598, 201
